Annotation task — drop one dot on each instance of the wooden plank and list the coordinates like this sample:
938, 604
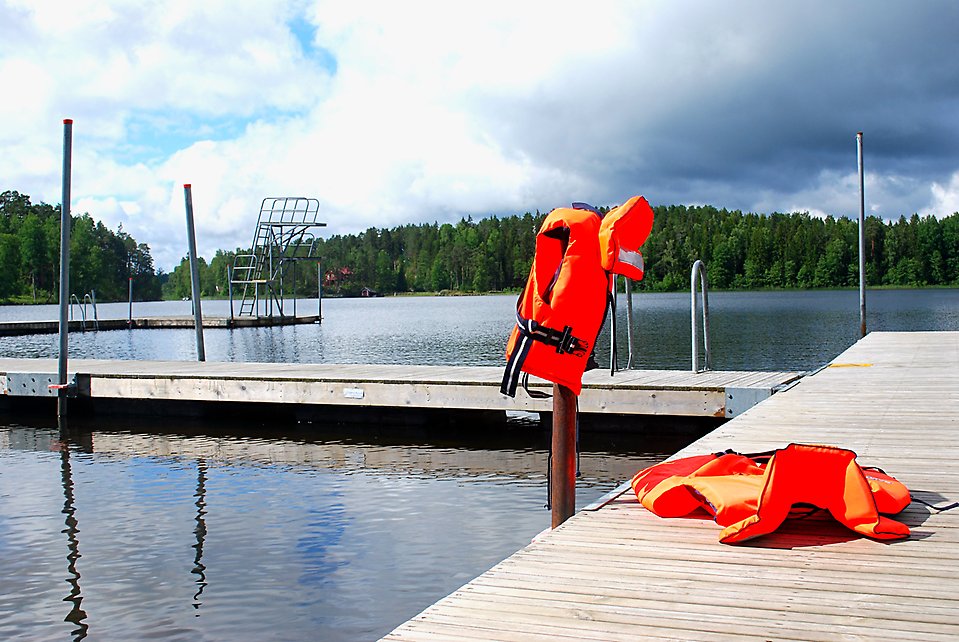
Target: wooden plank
402, 386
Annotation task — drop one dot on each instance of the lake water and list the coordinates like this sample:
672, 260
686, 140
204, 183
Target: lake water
123, 529
749, 330
120, 534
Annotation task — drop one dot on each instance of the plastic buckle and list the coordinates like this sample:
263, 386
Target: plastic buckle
566, 341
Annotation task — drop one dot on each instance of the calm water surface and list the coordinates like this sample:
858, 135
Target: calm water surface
119, 534
323, 532
750, 330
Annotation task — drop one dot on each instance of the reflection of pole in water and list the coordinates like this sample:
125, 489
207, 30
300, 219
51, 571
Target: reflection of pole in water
200, 531
76, 615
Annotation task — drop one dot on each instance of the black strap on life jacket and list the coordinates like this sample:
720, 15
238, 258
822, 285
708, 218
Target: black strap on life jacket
937, 509
529, 330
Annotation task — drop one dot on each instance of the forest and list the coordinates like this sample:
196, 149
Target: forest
101, 260
740, 250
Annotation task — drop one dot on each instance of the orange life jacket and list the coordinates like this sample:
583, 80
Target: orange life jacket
752, 496
562, 308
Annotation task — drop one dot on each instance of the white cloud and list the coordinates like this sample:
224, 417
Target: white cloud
438, 110
945, 198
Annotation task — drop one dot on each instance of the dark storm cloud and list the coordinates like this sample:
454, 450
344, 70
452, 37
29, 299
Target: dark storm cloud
734, 104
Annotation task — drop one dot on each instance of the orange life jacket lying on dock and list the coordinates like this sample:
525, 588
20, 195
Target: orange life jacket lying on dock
564, 303
752, 496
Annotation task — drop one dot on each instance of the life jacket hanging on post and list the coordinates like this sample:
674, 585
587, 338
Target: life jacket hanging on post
562, 308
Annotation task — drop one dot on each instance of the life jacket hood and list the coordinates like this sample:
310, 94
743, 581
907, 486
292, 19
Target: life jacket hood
622, 232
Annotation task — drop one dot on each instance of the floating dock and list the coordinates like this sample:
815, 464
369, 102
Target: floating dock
21, 328
630, 392
620, 573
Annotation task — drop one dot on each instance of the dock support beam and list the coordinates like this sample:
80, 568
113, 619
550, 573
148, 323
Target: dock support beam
563, 465
194, 273
64, 269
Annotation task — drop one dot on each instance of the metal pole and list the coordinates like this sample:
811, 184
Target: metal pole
699, 269
229, 287
862, 241
64, 268
130, 311
319, 292
194, 273
692, 318
613, 365
629, 322
563, 465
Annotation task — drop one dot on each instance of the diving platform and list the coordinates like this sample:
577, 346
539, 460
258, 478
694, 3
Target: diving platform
305, 386
617, 572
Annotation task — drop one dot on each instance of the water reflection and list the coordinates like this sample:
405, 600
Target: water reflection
200, 531
77, 615
344, 532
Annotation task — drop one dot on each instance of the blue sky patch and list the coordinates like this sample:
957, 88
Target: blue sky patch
305, 34
154, 136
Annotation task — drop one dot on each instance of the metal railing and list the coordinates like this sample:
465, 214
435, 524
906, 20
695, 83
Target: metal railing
699, 269
92, 299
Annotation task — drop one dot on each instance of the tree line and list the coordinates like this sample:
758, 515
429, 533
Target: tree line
740, 250
101, 260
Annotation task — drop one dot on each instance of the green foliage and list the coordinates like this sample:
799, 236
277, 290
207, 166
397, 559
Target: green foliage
797, 250
100, 260
740, 251
493, 254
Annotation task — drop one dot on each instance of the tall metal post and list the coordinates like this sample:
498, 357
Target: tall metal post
229, 287
563, 466
130, 310
862, 241
194, 273
64, 268
319, 292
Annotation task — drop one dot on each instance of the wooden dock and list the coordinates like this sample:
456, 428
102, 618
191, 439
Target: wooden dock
621, 573
644, 392
21, 328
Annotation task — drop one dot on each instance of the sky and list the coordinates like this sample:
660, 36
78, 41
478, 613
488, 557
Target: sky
392, 113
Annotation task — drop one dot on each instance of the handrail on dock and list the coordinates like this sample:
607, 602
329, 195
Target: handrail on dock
92, 298
699, 269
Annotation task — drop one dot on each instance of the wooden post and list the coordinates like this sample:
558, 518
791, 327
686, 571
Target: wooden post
563, 468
